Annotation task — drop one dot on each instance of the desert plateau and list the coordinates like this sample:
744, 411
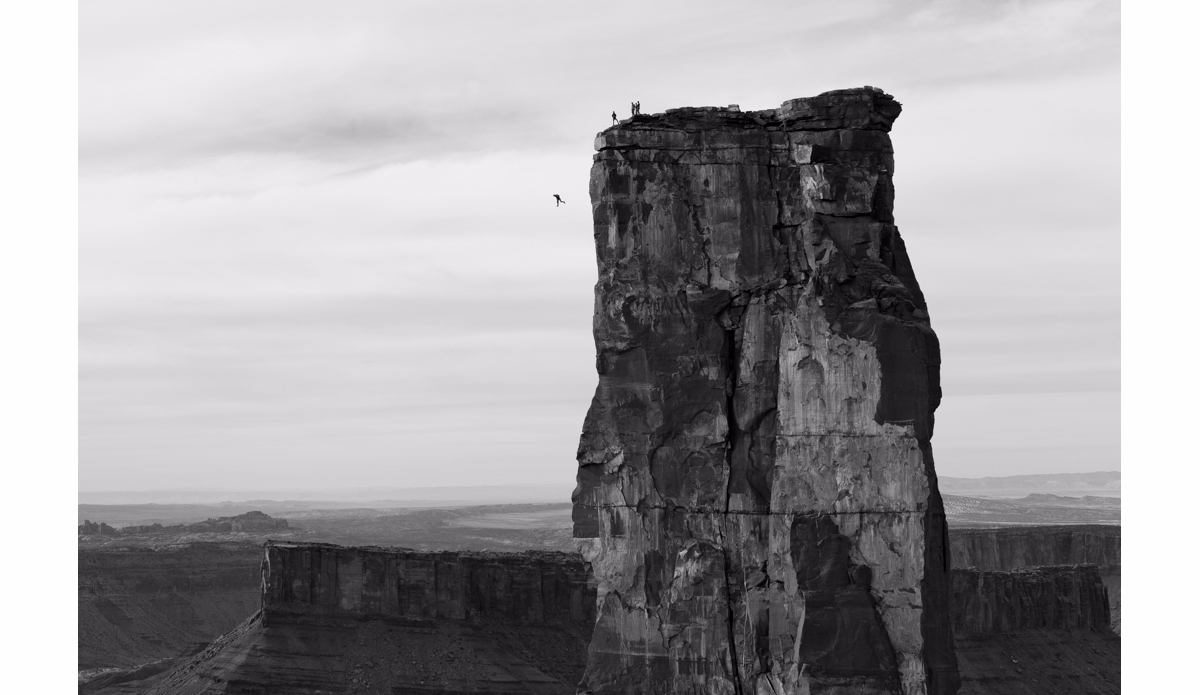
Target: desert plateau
756, 507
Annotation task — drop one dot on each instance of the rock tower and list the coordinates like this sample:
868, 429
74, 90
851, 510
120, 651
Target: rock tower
756, 491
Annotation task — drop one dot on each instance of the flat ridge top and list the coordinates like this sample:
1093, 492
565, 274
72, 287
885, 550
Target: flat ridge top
542, 555
859, 108
1032, 570
1039, 529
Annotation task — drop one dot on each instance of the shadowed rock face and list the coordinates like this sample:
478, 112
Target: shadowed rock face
387, 621
315, 579
756, 491
340, 619
1060, 597
1035, 630
1033, 546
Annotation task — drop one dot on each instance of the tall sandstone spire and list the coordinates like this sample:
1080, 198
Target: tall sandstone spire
756, 491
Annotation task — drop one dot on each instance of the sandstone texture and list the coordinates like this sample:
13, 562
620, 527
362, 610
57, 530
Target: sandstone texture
370, 620
374, 620
1036, 546
1034, 631
539, 588
1064, 597
756, 492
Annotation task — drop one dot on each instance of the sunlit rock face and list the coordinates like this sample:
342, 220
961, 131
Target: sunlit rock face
756, 491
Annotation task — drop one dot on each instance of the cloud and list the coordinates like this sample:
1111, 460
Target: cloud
318, 241
398, 82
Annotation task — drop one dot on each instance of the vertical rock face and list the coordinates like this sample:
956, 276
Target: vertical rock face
1034, 546
1014, 548
756, 491
337, 619
301, 580
1059, 597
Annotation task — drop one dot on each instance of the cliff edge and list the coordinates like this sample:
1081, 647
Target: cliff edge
1035, 546
756, 491
376, 620
337, 619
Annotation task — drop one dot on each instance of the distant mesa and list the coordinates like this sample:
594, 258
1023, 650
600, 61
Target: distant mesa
250, 522
1048, 500
372, 620
1107, 483
91, 528
384, 620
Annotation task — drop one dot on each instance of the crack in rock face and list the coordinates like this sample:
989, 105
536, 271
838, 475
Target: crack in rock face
756, 492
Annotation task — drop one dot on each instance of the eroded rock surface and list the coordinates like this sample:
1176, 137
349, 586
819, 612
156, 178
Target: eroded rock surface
338, 619
1035, 630
1037, 546
371, 620
756, 491
1063, 597
538, 588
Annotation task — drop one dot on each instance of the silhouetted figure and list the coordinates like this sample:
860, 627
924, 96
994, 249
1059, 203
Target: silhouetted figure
632, 109
614, 117
558, 201
637, 107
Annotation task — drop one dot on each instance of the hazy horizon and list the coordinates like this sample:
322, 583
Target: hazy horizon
318, 244
484, 494
463, 493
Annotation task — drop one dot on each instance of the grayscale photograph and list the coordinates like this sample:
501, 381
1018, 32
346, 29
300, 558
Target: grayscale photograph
663, 348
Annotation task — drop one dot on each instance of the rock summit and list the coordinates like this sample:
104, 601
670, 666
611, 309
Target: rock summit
756, 490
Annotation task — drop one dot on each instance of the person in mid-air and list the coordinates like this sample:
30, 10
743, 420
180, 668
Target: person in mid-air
558, 201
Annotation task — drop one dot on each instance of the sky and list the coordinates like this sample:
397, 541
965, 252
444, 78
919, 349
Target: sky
318, 247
